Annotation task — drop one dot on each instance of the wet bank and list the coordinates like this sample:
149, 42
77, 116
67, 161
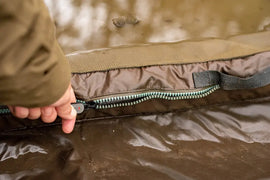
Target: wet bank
84, 25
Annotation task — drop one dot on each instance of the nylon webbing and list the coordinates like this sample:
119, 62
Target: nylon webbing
229, 82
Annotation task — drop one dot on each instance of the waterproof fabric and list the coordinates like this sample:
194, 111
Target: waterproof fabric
165, 77
213, 142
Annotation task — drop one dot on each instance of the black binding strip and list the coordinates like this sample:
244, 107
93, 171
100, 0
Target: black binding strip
229, 82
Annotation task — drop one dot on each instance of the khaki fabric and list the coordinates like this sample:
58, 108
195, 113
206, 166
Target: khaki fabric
170, 53
33, 68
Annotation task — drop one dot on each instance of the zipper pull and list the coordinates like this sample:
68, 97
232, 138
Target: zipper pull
81, 106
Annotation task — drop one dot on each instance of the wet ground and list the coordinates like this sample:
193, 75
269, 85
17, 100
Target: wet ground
87, 24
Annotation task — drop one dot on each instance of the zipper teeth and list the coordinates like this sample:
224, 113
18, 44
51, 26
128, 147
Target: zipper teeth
111, 102
4, 111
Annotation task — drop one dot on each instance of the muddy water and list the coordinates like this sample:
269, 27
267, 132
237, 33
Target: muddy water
87, 24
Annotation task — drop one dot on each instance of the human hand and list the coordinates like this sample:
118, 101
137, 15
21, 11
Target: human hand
48, 114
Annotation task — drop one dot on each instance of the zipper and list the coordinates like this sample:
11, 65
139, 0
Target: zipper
4, 110
133, 99
136, 98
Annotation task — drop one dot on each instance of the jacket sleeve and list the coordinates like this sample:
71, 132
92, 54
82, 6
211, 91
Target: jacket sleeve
33, 68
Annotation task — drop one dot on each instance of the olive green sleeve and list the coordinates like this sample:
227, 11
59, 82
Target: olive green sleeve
33, 68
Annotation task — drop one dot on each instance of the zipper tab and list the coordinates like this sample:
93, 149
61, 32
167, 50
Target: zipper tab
80, 105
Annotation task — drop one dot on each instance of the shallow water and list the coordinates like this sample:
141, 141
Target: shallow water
87, 24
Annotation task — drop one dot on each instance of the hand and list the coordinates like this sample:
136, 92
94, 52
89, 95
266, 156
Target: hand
48, 114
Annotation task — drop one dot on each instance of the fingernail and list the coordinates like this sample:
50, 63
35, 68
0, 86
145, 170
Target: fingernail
73, 112
47, 111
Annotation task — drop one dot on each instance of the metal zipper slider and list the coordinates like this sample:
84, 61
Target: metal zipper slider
90, 105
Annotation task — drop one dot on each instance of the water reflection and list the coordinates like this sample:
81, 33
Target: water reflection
143, 138
87, 24
14, 152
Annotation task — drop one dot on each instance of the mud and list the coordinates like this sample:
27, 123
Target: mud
84, 25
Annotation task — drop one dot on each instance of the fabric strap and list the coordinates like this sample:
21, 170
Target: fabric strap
229, 82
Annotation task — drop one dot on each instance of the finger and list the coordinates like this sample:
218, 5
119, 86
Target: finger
21, 112
48, 114
66, 111
34, 113
68, 124
72, 96
11, 108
